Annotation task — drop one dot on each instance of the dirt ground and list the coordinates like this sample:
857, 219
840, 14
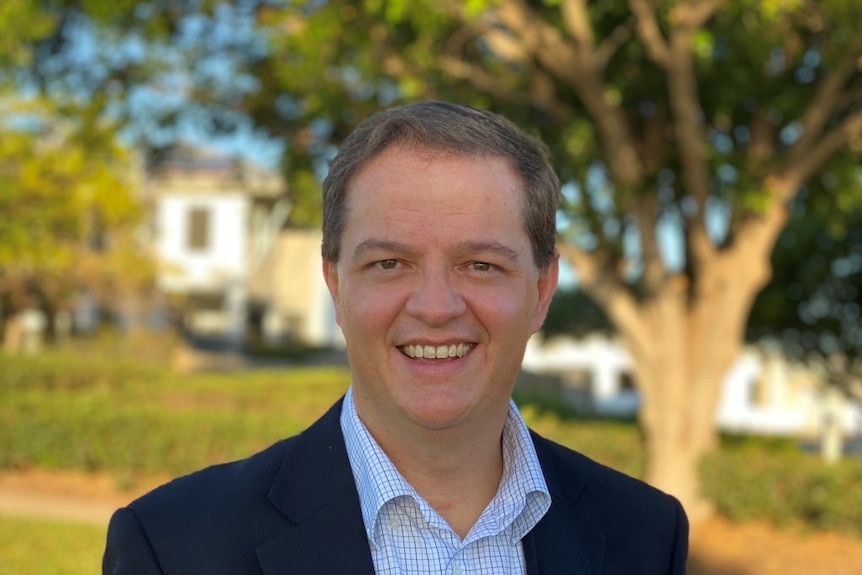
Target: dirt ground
718, 547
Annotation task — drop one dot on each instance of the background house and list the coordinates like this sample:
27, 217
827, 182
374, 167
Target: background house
235, 276
763, 393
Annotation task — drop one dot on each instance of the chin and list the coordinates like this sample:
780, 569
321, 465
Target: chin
440, 413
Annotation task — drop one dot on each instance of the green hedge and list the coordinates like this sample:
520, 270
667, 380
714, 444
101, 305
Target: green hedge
90, 413
85, 412
774, 480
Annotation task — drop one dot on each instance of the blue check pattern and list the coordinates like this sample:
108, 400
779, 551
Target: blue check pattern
407, 536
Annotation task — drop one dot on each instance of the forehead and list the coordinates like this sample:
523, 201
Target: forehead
400, 172
404, 160
420, 190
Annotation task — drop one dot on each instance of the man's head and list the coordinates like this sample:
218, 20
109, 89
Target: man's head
455, 129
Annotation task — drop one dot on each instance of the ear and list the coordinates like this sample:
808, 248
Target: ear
330, 276
546, 286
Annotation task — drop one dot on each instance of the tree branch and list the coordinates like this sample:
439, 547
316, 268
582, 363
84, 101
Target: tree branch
609, 46
649, 32
688, 121
762, 143
693, 14
646, 213
825, 102
478, 76
577, 21
576, 64
608, 291
818, 154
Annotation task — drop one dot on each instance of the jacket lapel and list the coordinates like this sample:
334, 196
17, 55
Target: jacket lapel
566, 540
315, 491
558, 545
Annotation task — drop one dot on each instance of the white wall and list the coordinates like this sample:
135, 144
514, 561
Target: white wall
761, 393
225, 258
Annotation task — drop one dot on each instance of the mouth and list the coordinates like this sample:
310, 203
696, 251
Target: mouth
452, 350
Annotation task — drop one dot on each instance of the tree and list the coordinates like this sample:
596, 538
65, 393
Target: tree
699, 120
573, 313
68, 187
70, 211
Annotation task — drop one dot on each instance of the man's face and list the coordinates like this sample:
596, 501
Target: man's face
436, 289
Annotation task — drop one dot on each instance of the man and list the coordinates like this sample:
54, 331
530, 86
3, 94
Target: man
438, 250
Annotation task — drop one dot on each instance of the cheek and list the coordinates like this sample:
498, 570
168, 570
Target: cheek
505, 315
366, 311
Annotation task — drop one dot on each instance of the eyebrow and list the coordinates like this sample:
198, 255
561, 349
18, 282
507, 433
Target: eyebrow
496, 248
470, 247
376, 244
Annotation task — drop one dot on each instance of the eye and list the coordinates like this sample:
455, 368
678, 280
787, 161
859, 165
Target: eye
482, 266
387, 264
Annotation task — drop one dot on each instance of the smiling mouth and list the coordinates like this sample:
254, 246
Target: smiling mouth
437, 351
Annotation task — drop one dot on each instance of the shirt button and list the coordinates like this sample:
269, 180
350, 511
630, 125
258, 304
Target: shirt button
457, 570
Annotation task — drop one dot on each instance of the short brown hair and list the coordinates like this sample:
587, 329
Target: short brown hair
449, 128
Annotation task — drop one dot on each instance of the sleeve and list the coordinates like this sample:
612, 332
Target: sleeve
680, 544
128, 550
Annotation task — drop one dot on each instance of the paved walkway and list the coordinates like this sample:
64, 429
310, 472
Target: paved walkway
63, 496
55, 507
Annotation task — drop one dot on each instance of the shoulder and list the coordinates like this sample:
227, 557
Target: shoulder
249, 477
210, 521
247, 480
609, 517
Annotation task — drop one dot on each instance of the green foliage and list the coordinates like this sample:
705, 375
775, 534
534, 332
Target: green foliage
613, 443
811, 304
21, 23
39, 547
774, 481
573, 313
90, 413
70, 205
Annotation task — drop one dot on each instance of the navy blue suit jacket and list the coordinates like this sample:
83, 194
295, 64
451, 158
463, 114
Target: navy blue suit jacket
293, 509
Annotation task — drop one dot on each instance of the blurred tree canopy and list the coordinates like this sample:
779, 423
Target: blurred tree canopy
812, 304
685, 131
68, 191
70, 210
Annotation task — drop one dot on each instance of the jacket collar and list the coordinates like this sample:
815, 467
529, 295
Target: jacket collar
566, 540
314, 490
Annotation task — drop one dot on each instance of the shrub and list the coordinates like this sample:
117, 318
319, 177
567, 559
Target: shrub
82, 413
775, 481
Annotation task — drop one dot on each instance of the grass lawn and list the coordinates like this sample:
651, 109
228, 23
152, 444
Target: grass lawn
41, 547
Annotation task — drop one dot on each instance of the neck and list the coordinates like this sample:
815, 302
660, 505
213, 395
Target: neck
457, 471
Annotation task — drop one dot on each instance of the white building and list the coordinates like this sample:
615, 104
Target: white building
233, 271
762, 393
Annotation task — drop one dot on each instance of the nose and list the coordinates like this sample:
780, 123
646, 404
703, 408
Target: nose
436, 299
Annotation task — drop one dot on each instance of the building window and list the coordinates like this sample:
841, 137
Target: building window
199, 229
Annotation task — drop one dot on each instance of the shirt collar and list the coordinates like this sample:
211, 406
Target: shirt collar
521, 500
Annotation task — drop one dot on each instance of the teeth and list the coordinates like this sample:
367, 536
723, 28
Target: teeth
437, 352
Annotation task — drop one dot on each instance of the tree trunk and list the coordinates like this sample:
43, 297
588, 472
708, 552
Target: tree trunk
695, 335
13, 334
677, 418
